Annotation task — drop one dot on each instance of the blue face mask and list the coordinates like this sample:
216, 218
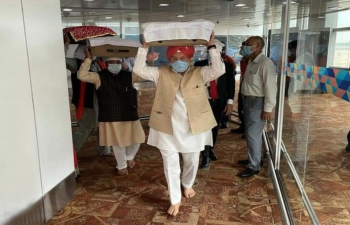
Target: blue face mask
241, 52
114, 68
247, 50
180, 66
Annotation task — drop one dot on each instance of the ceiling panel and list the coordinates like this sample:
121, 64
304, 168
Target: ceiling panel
257, 11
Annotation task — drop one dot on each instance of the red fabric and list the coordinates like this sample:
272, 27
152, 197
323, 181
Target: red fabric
84, 32
101, 64
244, 65
213, 90
75, 157
80, 109
188, 51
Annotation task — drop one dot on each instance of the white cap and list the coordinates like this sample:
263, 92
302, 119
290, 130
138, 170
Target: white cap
112, 59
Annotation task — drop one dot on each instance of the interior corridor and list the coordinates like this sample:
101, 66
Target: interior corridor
104, 197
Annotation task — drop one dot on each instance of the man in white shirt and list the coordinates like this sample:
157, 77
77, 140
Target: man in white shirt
259, 89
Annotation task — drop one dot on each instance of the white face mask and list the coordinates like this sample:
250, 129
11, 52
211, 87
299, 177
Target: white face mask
114, 68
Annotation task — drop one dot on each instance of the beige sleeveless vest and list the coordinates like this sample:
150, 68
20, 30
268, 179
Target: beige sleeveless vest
194, 92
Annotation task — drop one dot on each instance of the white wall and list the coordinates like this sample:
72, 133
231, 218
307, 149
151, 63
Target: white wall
50, 90
35, 120
19, 162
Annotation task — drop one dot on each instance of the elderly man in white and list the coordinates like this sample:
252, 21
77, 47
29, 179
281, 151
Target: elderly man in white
181, 118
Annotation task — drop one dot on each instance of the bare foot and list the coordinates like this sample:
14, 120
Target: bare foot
189, 192
123, 172
131, 163
174, 209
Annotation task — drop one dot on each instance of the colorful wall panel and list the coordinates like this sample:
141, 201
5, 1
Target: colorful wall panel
333, 81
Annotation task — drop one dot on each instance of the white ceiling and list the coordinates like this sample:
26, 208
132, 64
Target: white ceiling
225, 11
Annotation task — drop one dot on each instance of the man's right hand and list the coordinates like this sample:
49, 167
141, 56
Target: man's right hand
145, 45
87, 53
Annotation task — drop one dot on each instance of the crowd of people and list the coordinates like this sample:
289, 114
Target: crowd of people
191, 101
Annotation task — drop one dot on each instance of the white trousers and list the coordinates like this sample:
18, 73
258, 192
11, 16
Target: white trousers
122, 154
172, 171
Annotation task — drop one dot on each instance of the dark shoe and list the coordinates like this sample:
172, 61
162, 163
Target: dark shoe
205, 162
224, 125
347, 148
248, 172
212, 155
238, 130
245, 162
243, 136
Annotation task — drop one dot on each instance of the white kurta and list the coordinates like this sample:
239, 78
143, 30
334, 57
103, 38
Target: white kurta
182, 139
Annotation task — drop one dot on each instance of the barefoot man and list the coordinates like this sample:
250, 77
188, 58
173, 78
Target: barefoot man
181, 118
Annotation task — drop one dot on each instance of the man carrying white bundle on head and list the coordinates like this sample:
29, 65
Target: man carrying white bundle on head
181, 118
119, 124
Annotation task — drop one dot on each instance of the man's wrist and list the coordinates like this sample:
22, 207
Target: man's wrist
210, 47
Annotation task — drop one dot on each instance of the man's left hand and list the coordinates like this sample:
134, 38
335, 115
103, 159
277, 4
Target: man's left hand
228, 109
266, 116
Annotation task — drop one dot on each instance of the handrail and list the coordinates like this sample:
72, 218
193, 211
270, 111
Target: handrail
280, 200
304, 196
306, 200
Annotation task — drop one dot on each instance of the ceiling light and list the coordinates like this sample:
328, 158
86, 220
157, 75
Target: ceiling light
245, 7
90, 20
180, 16
240, 5
108, 17
163, 4
293, 2
246, 19
321, 17
88, 0
67, 10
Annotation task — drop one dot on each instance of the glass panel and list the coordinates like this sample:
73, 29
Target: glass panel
315, 122
342, 50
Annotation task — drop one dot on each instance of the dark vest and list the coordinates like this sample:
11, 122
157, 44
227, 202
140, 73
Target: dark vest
117, 98
89, 90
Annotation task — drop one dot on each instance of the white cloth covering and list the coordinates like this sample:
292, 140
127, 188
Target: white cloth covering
160, 31
112, 40
172, 171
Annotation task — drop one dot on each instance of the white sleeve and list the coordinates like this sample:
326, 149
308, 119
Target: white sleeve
216, 69
270, 85
142, 70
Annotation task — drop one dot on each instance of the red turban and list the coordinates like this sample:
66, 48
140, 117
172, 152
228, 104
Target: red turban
188, 51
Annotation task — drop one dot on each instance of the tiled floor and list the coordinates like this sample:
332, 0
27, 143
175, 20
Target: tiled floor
103, 197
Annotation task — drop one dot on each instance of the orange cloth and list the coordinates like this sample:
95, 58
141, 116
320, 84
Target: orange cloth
188, 51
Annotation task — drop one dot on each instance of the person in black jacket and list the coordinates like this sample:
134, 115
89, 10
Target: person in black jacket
220, 95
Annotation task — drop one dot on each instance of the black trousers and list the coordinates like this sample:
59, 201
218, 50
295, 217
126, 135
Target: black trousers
218, 110
348, 137
240, 109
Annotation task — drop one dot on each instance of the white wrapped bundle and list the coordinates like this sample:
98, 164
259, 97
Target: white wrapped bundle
177, 33
113, 46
